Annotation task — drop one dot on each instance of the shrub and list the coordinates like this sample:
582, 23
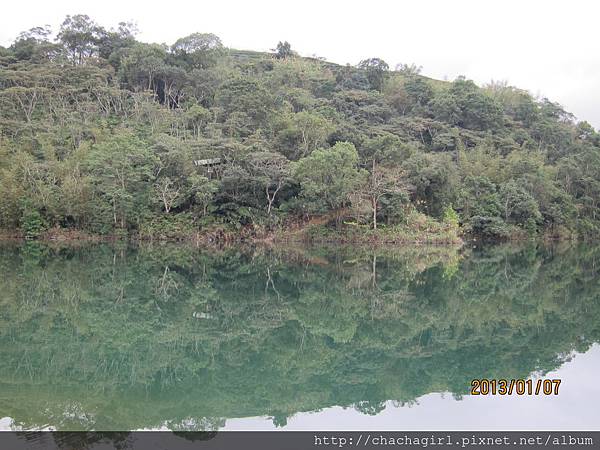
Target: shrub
32, 223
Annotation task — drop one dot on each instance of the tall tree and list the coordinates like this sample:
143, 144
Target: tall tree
283, 50
272, 171
81, 37
328, 176
123, 169
376, 69
198, 50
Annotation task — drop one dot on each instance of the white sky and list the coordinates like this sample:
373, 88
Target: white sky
550, 48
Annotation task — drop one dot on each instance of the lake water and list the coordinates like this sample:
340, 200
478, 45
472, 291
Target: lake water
110, 337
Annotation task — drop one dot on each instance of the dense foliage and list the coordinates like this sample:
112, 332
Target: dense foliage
112, 338
99, 132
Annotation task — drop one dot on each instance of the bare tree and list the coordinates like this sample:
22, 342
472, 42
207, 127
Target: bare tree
167, 192
273, 171
384, 181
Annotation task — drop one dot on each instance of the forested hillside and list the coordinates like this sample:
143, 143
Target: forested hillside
105, 134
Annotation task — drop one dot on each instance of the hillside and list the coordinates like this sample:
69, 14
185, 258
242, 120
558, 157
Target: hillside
100, 133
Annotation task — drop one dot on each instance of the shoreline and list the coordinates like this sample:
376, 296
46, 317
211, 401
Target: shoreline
222, 236
292, 235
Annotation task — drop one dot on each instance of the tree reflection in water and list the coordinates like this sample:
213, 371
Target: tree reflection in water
114, 338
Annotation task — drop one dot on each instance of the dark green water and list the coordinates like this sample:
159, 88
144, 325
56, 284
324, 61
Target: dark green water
114, 338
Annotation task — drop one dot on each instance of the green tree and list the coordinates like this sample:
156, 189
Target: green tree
328, 176
283, 50
385, 181
519, 205
198, 50
272, 171
306, 131
123, 169
376, 70
81, 37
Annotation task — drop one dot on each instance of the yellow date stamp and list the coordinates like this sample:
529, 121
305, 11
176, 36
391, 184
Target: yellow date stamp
483, 386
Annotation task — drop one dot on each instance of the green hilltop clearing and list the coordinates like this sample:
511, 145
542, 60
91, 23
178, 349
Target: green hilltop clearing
103, 135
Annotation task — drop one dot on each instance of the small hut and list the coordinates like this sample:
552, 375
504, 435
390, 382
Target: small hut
210, 166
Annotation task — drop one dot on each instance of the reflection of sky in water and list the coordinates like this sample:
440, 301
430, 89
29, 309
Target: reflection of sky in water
575, 408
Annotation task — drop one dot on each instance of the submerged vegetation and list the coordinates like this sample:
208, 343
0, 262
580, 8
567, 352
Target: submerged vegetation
104, 134
113, 338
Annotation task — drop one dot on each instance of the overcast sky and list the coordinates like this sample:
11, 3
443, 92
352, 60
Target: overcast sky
550, 48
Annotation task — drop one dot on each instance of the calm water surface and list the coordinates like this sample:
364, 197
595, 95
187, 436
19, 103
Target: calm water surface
113, 338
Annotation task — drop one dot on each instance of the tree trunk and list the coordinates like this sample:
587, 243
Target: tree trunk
374, 271
374, 205
114, 211
271, 198
374, 197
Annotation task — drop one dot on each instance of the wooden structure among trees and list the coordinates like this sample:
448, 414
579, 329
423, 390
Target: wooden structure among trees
211, 165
